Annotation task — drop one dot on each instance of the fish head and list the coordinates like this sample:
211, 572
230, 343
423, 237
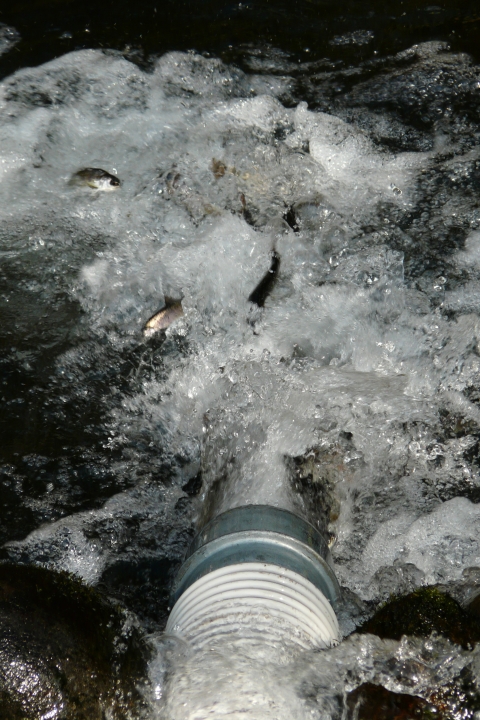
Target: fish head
105, 183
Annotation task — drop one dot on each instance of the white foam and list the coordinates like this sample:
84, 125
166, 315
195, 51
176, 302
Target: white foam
355, 171
441, 544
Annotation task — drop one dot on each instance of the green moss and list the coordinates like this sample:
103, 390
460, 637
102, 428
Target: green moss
421, 613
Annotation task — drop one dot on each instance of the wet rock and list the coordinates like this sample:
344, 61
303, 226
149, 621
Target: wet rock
351, 611
65, 651
474, 606
457, 700
421, 613
144, 586
374, 702
455, 426
465, 589
315, 474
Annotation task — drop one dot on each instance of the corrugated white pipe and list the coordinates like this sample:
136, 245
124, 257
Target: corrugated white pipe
258, 601
260, 574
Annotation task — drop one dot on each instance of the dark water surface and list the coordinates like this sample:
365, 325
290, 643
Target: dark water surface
306, 28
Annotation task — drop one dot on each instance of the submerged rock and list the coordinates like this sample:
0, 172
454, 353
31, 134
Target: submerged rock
374, 702
65, 651
456, 700
421, 613
315, 474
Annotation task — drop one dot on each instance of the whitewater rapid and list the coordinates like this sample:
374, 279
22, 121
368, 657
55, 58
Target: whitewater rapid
365, 357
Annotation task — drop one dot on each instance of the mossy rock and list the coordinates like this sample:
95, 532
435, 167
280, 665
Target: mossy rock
473, 607
421, 613
66, 652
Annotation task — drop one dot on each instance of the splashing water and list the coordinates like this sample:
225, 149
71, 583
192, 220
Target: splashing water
363, 365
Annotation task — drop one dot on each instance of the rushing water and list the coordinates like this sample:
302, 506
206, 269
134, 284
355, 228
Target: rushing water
361, 372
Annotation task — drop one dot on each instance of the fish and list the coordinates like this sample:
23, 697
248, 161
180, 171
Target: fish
172, 179
331, 539
162, 319
264, 287
95, 178
218, 168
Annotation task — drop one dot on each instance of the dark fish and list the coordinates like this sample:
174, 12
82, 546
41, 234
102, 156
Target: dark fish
95, 178
218, 168
291, 219
172, 178
164, 317
264, 287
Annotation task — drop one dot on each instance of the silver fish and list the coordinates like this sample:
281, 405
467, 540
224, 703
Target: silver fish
164, 317
331, 539
95, 178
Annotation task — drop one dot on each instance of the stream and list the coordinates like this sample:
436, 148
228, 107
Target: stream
356, 386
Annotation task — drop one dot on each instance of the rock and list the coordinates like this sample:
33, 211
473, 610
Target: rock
66, 652
457, 699
421, 613
374, 702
